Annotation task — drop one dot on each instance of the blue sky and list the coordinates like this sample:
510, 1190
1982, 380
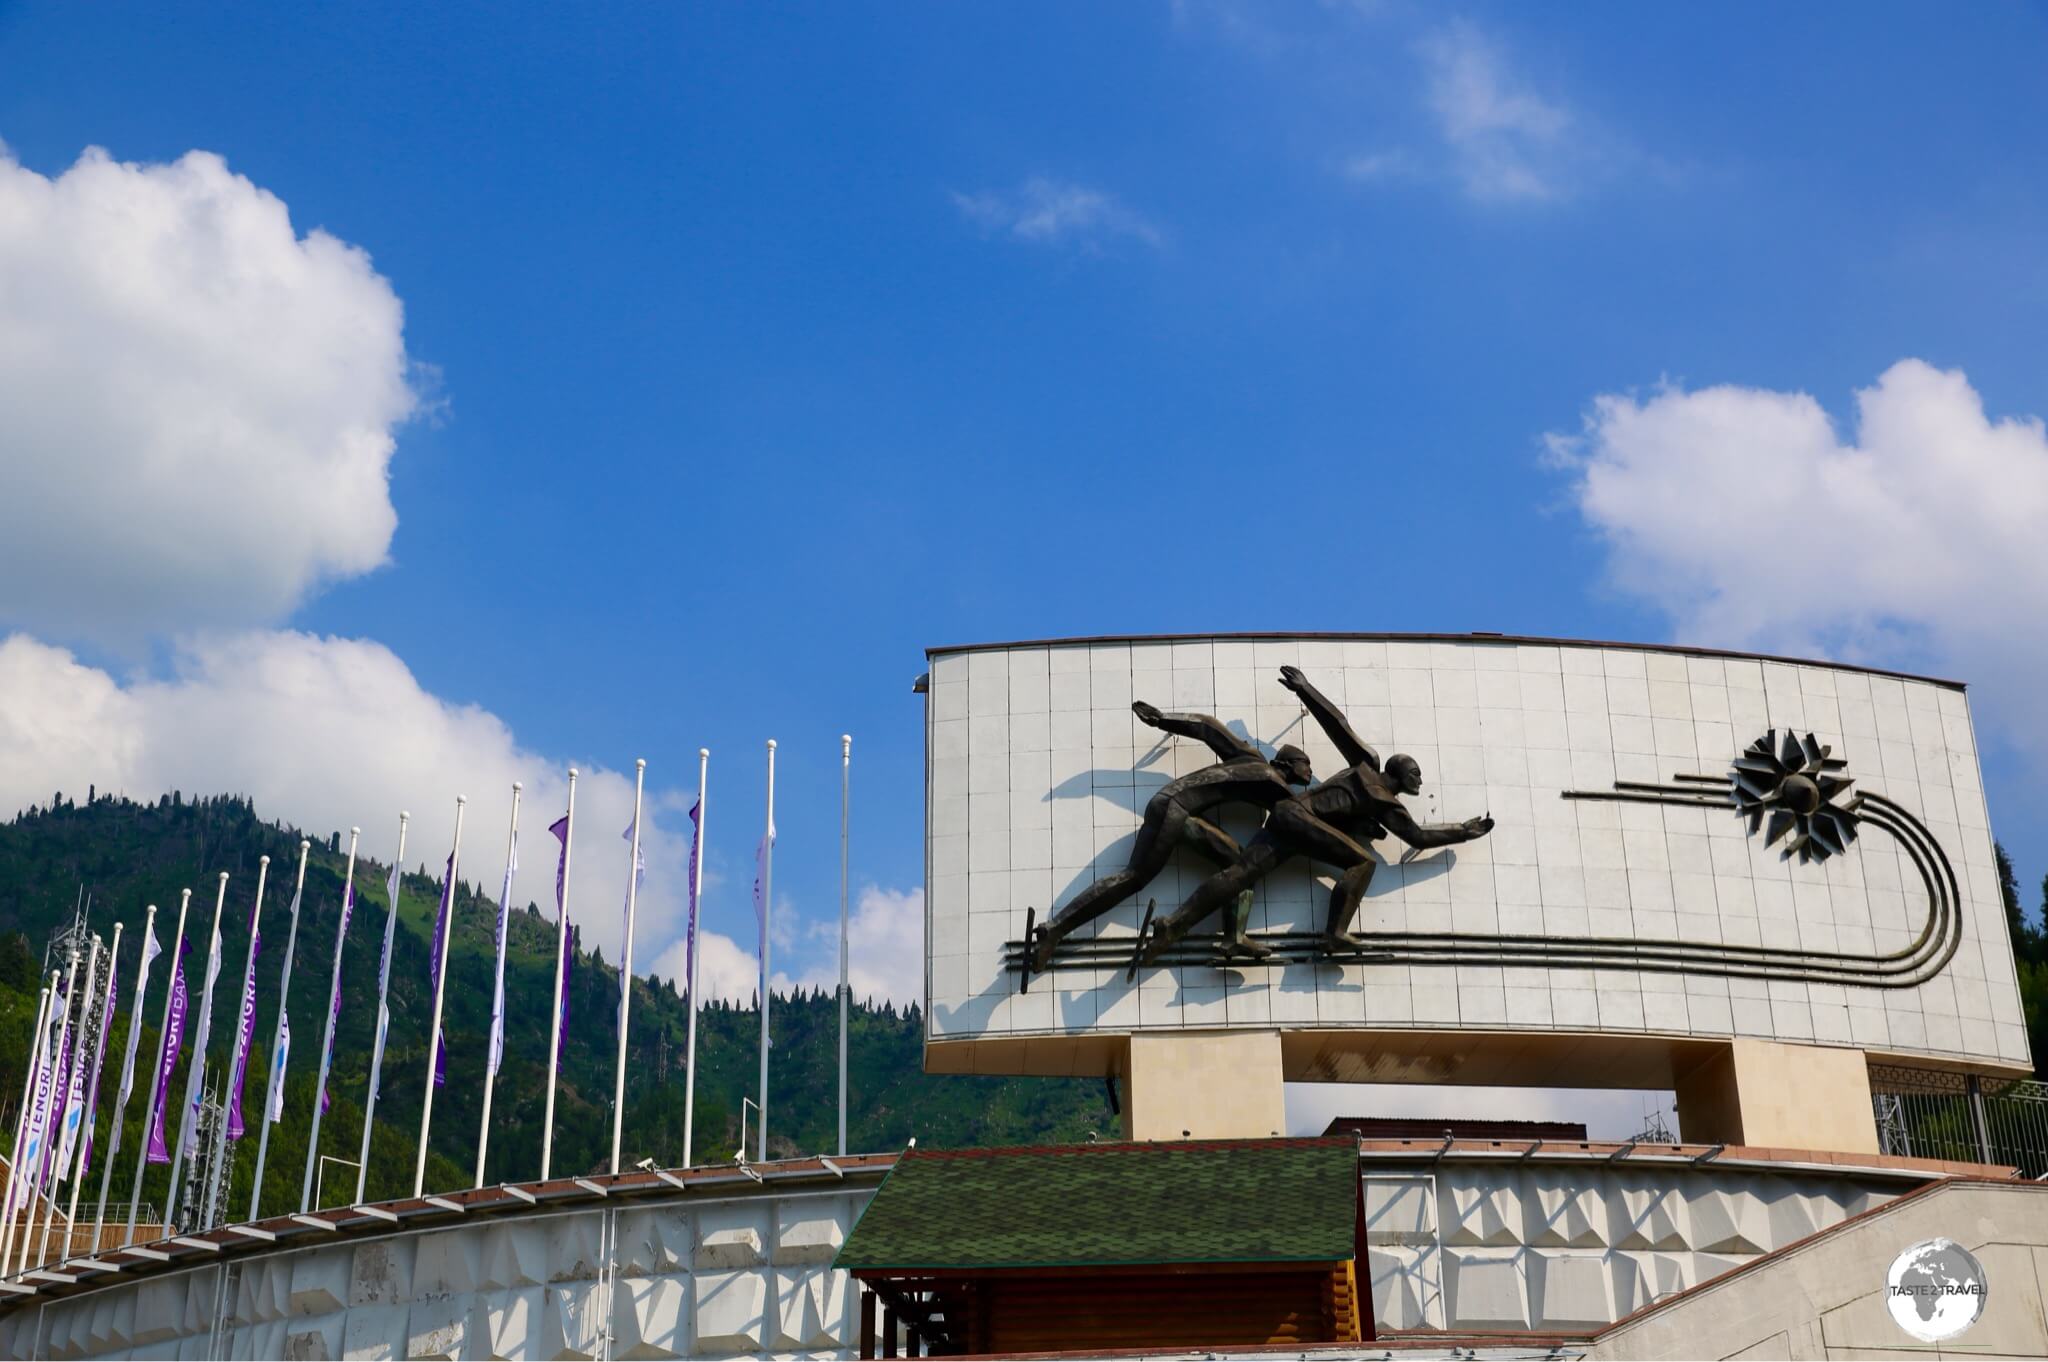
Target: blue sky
755, 349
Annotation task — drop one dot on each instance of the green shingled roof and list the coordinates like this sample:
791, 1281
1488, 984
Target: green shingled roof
1099, 1205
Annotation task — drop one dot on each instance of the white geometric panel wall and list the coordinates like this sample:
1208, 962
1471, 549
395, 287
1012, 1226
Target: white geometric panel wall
737, 1277
1606, 770
1572, 1246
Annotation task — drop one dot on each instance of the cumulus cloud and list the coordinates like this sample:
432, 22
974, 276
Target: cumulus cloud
885, 954
331, 733
1753, 521
1049, 212
1506, 141
198, 402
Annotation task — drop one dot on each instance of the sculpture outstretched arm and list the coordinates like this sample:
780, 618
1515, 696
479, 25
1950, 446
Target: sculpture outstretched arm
1423, 836
1331, 718
1203, 728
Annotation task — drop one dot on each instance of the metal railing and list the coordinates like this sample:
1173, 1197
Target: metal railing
1933, 1114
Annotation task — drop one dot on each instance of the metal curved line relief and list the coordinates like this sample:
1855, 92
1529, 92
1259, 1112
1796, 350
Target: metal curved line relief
1820, 826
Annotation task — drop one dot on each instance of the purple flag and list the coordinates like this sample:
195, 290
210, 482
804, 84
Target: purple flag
247, 1033
348, 908
434, 967
59, 1099
690, 927
174, 1040
92, 1086
560, 828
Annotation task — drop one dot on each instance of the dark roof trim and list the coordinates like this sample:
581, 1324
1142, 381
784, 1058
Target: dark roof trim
1169, 1147
1320, 637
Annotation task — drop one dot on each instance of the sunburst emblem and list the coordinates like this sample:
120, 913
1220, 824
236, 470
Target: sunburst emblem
1796, 782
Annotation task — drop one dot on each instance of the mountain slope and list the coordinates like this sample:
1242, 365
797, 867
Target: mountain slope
128, 854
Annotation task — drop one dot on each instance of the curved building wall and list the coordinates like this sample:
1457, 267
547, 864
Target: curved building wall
1621, 894
682, 1275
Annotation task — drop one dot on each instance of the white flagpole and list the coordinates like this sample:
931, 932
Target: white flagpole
348, 888
696, 898
383, 1012
83, 1140
767, 921
626, 965
8, 1208
419, 1172
66, 1143
196, 1075
497, 1042
58, 1098
37, 1136
149, 1115
284, 988
845, 809
547, 1127
127, 1074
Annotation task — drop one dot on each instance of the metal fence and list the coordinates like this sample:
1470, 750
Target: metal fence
1937, 1115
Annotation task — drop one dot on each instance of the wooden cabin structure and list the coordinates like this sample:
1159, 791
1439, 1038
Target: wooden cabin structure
1112, 1247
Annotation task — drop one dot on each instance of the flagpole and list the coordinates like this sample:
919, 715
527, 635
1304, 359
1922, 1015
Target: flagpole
626, 966
196, 1075
31, 1071
127, 1073
59, 1096
547, 1128
92, 1070
348, 889
696, 898
767, 917
66, 1149
284, 988
393, 887
845, 811
38, 1132
149, 1116
483, 1135
419, 1174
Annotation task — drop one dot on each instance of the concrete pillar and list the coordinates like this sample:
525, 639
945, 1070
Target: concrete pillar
1204, 1085
1760, 1092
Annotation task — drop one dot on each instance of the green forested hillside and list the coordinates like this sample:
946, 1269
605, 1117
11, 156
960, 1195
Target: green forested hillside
128, 854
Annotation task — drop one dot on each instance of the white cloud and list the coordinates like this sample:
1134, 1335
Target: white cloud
198, 403
1379, 165
1506, 142
330, 733
1055, 212
728, 970
1753, 522
885, 956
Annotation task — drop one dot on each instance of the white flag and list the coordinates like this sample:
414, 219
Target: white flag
39, 1108
284, 1050
639, 874
150, 951
498, 989
192, 1094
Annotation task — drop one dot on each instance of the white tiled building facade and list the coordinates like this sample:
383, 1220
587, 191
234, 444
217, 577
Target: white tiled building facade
1038, 773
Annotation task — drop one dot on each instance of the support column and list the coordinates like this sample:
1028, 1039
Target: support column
1204, 1085
1760, 1092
